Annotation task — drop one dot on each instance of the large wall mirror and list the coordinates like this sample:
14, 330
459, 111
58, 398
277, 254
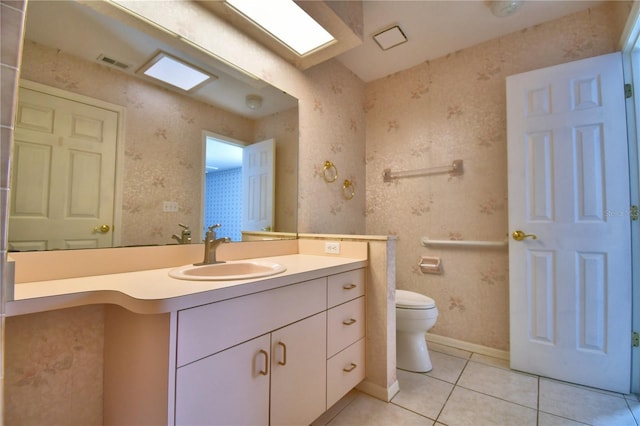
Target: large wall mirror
105, 155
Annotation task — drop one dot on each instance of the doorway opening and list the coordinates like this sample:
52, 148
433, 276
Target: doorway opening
223, 186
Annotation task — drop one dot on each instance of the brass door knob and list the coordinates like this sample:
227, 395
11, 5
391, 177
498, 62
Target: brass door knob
103, 229
519, 235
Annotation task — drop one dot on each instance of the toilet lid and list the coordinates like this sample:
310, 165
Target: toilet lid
411, 300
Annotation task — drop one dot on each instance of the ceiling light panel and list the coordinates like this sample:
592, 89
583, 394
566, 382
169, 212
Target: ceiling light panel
175, 72
390, 37
286, 21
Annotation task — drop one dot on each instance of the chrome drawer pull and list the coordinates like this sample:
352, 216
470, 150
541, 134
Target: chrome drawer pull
266, 363
349, 286
350, 368
349, 321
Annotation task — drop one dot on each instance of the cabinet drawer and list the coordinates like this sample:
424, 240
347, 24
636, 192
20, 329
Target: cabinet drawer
208, 329
345, 371
345, 325
345, 286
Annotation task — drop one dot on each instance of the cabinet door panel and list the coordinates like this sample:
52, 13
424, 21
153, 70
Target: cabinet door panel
227, 388
298, 388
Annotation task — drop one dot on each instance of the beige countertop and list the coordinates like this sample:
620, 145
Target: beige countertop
154, 291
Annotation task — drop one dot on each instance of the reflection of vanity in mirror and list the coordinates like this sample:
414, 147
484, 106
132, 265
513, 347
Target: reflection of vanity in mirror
78, 63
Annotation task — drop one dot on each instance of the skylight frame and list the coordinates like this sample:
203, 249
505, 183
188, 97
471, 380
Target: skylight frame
162, 56
270, 15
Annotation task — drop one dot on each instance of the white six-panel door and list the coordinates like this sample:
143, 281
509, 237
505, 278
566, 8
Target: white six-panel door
258, 189
63, 174
570, 287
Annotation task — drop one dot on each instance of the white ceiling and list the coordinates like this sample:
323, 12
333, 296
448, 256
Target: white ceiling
437, 28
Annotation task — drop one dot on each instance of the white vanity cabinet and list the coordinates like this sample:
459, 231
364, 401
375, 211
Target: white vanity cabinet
282, 373
276, 378
278, 356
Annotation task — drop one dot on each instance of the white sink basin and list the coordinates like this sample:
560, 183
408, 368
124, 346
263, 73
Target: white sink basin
233, 270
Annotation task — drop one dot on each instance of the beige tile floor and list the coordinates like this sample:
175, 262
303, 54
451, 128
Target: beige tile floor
466, 388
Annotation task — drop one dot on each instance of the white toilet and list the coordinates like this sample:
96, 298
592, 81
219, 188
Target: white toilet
415, 314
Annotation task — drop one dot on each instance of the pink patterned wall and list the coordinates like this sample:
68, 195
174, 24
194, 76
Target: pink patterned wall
455, 108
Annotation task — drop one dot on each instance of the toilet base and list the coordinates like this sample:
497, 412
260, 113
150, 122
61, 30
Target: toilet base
412, 353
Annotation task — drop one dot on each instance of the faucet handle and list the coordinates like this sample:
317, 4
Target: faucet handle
212, 227
185, 227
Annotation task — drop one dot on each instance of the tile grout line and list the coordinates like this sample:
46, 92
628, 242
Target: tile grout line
410, 410
341, 410
469, 360
631, 411
453, 388
538, 404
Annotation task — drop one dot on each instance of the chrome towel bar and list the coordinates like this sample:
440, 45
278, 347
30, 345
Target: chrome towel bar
455, 169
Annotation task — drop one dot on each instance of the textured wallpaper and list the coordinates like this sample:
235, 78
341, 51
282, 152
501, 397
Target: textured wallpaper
455, 108
53, 372
335, 122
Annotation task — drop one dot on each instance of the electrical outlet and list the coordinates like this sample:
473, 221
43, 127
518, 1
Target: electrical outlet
170, 206
332, 247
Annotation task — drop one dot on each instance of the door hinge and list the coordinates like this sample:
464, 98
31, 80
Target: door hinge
635, 339
634, 213
628, 90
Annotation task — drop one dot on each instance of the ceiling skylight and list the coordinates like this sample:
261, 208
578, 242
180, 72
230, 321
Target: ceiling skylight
175, 72
286, 21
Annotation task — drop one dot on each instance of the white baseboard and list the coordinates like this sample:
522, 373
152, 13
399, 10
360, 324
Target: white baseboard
377, 391
466, 346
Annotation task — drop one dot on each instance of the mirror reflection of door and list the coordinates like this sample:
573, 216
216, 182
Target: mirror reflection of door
239, 197
258, 189
63, 174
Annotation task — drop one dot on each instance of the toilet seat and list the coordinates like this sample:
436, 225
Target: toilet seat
411, 300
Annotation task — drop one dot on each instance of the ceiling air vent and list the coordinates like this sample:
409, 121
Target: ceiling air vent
113, 62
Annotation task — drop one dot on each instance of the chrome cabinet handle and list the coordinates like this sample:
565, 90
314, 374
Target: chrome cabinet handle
350, 368
349, 286
284, 354
265, 371
349, 321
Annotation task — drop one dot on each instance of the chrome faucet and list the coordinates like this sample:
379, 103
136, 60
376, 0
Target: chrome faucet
211, 245
185, 236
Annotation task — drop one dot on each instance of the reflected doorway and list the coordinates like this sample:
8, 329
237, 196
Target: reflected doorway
223, 186
239, 186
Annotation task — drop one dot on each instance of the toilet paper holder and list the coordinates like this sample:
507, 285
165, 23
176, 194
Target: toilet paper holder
430, 265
